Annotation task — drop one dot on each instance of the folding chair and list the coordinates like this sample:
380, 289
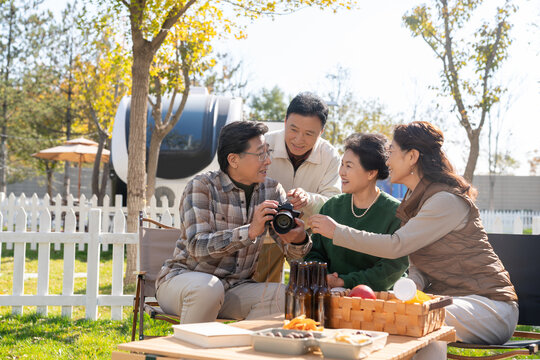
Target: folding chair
155, 246
520, 256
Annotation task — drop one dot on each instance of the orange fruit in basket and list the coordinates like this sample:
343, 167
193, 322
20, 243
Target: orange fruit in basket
419, 298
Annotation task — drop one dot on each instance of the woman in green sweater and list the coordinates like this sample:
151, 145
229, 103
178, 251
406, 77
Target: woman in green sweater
362, 206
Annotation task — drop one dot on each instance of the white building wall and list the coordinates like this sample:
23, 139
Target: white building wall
510, 192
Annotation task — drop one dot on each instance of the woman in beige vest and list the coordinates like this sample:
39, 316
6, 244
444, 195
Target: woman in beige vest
442, 233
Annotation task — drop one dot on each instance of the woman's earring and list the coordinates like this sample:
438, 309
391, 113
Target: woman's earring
412, 172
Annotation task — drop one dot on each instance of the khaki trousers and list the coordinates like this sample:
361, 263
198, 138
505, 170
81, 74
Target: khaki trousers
270, 265
477, 320
200, 297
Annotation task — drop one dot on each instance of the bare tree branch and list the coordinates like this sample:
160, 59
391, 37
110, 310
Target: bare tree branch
487, 70
454, 78
156, 108
432, 46
92, 111
169, 111
136, 12
187, 85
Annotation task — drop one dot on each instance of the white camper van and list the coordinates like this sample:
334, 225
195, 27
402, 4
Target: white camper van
190, 147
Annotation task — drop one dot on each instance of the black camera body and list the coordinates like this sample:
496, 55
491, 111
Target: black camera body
284, 218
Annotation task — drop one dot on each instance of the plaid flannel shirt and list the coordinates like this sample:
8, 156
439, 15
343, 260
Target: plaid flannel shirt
214, 230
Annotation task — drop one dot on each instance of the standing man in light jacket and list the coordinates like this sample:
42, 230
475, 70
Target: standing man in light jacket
306, 165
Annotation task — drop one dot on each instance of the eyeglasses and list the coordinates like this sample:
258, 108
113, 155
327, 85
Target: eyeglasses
262, 155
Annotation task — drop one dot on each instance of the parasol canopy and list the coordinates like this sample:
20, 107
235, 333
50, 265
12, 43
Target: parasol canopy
76, 150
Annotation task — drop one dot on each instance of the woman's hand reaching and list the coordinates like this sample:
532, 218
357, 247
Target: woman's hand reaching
322, 224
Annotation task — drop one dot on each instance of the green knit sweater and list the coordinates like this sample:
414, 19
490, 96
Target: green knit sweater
353, 267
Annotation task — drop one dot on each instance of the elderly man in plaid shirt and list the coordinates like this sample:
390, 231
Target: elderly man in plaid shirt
224, 215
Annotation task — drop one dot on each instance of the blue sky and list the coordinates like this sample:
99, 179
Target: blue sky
387, 63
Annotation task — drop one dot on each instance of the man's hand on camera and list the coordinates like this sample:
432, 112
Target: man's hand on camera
298, 198
263, 213
296, 235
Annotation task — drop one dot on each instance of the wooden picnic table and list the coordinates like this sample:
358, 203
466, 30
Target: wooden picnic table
169, 348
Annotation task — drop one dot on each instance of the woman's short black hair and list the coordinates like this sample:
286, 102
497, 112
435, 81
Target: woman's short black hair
234, 138
371, 150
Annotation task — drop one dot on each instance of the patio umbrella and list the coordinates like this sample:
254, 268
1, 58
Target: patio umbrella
77, 150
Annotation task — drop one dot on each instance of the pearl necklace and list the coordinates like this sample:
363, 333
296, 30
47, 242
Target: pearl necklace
369, 207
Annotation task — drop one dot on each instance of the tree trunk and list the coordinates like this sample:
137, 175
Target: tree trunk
95, 168
473, 156
163, 127
3, 155
96, 190
143, 54
491, 191
136, 183
104, 181
104, 174
67, 183
153, 157
492, 161
69, 121
49, 172
3, 147
3, 135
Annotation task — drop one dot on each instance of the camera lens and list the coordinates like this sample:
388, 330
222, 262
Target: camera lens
283, 222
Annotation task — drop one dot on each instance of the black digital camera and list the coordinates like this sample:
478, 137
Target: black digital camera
284, 219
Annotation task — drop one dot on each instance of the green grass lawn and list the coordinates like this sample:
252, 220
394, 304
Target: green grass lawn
31, 336
492, 352
35, 337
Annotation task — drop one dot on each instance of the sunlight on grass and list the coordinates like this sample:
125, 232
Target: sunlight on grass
31, 336
34, 337
56, 279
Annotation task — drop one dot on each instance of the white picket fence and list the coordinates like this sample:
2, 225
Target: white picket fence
34, 205
510, 221
79, 225
69, 238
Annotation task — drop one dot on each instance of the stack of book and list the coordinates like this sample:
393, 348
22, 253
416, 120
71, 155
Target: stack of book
212, 334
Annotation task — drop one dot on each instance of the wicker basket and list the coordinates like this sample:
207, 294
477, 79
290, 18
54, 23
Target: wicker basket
383, 314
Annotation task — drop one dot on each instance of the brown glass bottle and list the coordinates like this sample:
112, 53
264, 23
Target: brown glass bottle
322, 297
314, 284
290, 290
303, 294
308, 273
